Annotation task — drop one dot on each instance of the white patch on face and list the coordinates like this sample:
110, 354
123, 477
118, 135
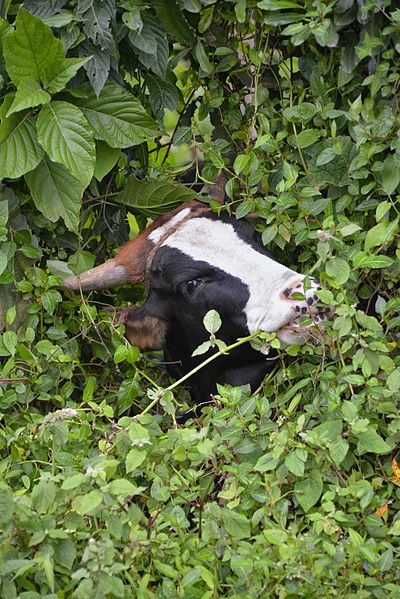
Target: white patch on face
158, 233
218, 244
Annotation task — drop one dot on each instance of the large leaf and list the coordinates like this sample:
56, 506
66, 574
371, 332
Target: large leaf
98, 66
97, 16
162, 94
44, 8
33, 51
29, 94
155, 197
106, 158
174, 21
20, 151
150, 45
56, 193
118, 118
67, 137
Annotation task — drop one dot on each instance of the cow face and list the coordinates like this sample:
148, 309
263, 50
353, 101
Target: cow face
194, 261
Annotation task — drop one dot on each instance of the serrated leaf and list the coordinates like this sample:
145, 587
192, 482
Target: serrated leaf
20, 151
43, 495
134, 459
309, 490
370, 441
56, 193
154, 197
118, 118
87, 504
97, 16
60, 74
43, 8
173, 21
150, 45
67, 138
163, 94
28, 95
97, 66
235, 524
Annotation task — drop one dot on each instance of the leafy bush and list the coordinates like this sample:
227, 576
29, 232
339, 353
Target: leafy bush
289, 492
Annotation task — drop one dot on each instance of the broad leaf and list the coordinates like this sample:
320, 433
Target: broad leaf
309, 490
43, 8
173, 21
67, 137
390, 174
20, 151
56, 193
163, 94
106, 158
118, 118
58, 77
97, 16
338, 269
98, 66
150, 45
29, 94
154, 197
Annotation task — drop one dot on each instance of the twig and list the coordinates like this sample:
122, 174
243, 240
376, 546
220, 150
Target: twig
23, 379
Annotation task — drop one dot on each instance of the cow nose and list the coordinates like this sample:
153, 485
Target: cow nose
303, 301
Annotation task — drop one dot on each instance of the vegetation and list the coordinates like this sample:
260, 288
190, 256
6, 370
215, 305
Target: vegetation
293, 491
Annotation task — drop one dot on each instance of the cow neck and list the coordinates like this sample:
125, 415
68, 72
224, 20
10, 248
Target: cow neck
194, 213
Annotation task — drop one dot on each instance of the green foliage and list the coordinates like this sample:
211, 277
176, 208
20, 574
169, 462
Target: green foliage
287, 492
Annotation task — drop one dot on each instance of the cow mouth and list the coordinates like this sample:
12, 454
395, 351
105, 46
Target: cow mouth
305, 326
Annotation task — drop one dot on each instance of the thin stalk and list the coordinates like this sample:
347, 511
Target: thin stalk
184, 378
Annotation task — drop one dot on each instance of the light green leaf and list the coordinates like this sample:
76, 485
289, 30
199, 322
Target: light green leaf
295, 461
150, 45
106, 159
121, 486
375, 236
393, 380
56, 193
134, 459
212, 321
43, 495
67, 138
118, 118
20, 151
29, 94
326, 156
155, 196
309, 490
370, 441
338, 269
87, 504
241, 162
278, 4
364, 261
60, 74
6, 505
308, 137
390, 174
236, 525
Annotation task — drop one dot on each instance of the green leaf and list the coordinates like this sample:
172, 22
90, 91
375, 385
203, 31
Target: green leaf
295, 461
212, 321
87, 504
236, 525
31, 50
74, 481
20, 151
163, 94
123, 487
118, 118
338, 449
370, 441
376, 236
150, 45
6, 505
134, 459
97, 18
153, 197
57, 78
56, 193
106, 159
308, 137
206, 66
309, 490
363, 261
390, 174
393, 380
338, 269
202, 349
29, 94
278, 4
67, 138
174, 22
326, 156
43, 495
241, 163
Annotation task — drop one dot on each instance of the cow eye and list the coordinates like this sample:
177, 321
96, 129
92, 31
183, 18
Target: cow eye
191, 285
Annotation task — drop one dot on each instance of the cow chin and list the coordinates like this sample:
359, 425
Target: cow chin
287, 336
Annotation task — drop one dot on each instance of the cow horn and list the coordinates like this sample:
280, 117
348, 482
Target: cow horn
107, 275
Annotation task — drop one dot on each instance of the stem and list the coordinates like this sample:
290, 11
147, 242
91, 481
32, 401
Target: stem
197, 368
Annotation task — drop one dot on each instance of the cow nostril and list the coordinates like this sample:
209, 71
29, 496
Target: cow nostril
310, 300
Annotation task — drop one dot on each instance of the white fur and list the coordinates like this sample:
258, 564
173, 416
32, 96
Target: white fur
218, 244
158, 233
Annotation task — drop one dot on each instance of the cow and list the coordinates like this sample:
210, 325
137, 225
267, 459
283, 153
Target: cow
192, 261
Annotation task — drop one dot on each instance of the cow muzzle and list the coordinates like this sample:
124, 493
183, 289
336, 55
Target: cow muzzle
307, 314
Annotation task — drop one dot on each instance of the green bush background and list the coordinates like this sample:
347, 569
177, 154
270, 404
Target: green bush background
291, 491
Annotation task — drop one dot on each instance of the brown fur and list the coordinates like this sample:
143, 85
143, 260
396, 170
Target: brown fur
134, 254
146, 332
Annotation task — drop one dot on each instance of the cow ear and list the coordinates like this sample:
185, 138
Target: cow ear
141, 329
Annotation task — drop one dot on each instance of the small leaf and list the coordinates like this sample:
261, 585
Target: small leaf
106, 159
338, 269
206, 66
390, 174
29, 94
134, 459
87, 504
235, 524
212, 321
370, 441
295, 461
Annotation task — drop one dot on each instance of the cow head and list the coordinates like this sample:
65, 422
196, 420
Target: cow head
193, 261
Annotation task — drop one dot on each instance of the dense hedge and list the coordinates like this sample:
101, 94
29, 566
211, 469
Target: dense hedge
292, 491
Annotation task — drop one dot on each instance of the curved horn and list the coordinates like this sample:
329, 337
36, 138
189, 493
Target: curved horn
109, 274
